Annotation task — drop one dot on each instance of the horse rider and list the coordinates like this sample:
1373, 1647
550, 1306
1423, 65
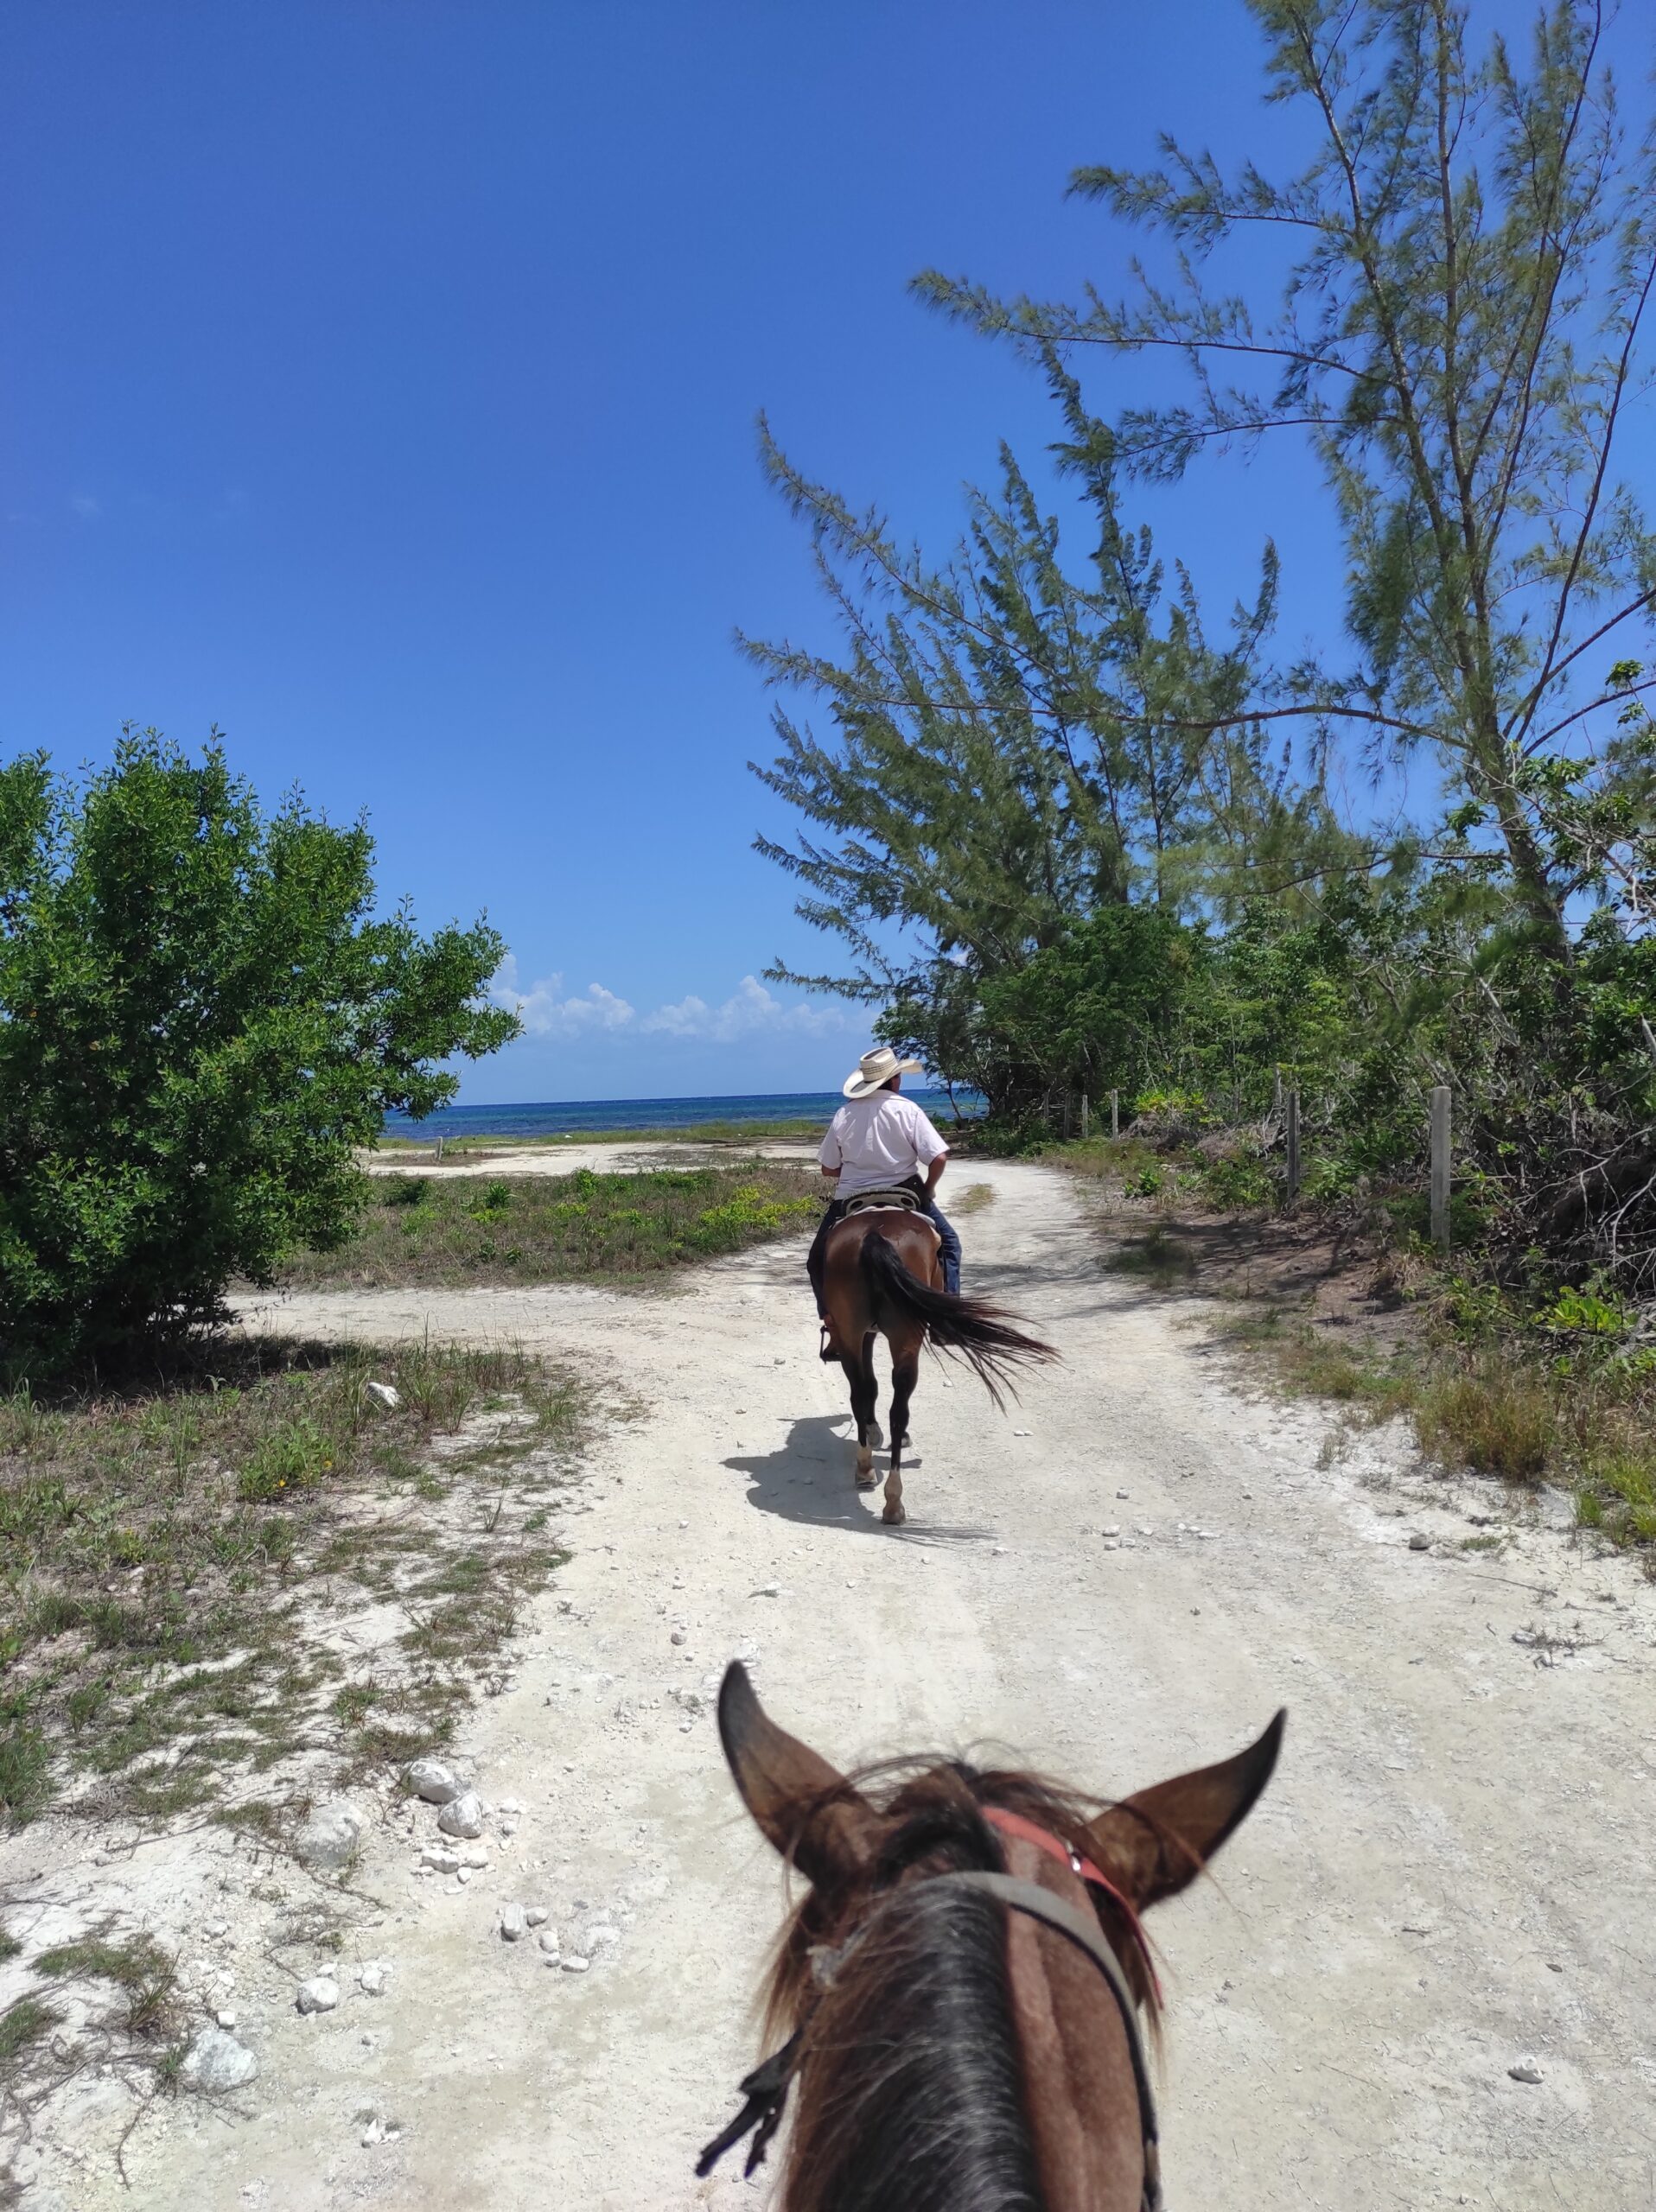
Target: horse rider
880, 1141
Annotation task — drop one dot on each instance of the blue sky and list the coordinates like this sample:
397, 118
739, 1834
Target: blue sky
379, 381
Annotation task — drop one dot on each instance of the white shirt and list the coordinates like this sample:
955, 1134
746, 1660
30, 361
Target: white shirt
878, 1142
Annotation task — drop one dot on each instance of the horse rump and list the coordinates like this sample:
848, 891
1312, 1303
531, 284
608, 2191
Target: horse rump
983, 1334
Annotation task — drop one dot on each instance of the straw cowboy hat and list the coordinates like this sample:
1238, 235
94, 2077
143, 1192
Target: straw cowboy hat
874, 1070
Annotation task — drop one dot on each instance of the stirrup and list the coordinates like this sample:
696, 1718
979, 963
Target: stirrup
825, 1349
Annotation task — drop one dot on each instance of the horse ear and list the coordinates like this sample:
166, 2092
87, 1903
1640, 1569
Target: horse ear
1151, 1843
804, 1807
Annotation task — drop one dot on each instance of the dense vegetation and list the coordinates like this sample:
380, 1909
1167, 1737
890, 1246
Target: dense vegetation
200, 1018
1073, 841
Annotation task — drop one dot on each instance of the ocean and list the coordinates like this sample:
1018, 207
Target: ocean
591, 1116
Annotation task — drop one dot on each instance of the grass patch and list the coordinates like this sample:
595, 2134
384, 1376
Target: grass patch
973, 1198
25, 1769
166, 1555
139, 1969
1157, 1256
802, 1131
24, 2024
579, 1228
1491, 1415
1560, 1388
1310, 1364
1499, 1404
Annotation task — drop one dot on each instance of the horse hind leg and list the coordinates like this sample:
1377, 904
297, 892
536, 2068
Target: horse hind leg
859, 1374
873, 1434
904, 1373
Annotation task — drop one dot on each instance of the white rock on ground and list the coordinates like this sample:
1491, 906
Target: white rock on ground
386, 1395
535, 1915
216, 2061
331, 1836
432, 1780
463, 1815
440, 1858
511, 1923
320, 1994
371, 1978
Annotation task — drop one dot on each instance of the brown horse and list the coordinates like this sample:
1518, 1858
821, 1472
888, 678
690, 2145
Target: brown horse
960, 1986
881, 1277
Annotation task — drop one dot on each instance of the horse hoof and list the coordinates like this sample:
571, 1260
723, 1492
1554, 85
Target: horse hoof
893, 1516
874, 1435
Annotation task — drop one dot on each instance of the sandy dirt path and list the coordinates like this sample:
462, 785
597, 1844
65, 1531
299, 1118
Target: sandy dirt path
1451, 1874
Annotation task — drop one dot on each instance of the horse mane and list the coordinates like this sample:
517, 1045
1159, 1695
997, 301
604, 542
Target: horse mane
923, 2103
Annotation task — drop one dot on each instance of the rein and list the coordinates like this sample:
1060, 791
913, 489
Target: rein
766, 2089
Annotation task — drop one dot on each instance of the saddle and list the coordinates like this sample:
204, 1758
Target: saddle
882, 1202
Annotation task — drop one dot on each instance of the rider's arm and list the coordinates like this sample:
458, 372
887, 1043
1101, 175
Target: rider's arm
830, 1158
930, 1150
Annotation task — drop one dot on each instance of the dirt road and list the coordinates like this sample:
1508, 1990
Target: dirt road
1450, 1876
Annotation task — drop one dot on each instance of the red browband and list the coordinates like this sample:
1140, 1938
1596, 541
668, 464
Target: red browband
1015, 1824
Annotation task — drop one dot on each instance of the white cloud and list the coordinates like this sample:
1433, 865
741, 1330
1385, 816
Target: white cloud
750, 1011
544, 1012
85, 506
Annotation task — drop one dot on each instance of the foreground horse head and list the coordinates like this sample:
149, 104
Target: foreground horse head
880, 1277
960, 1986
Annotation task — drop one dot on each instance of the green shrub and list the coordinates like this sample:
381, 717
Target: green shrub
492, 1202
294, 1456
200, 1019
1242, 1181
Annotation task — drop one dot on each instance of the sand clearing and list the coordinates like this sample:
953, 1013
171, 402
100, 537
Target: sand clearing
1450, 1875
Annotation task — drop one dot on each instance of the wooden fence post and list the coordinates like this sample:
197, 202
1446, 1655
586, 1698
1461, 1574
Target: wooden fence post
1293, 1147
1115, 1113
1277, 1092
1084, 1117
1441, 1167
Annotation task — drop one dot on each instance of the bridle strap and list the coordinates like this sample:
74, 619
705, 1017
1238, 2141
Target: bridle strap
1082, 1930
766, 2089
1011, 1823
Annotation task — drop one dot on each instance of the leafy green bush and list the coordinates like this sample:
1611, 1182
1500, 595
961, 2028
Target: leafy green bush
1239, 1183
199, 1019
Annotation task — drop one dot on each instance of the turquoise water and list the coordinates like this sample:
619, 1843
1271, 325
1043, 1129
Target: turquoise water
591, 1116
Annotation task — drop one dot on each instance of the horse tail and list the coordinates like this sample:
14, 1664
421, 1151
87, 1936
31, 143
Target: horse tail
982, 1334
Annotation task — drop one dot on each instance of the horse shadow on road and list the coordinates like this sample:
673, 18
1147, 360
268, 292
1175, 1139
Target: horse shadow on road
809, 1480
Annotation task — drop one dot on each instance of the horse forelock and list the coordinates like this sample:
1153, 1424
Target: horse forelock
911, 2088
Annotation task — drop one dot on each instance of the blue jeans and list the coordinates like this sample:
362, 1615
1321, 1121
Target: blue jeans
949, 1252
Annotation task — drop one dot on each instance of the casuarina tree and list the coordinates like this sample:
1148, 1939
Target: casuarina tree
201, 1015
1459, 334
